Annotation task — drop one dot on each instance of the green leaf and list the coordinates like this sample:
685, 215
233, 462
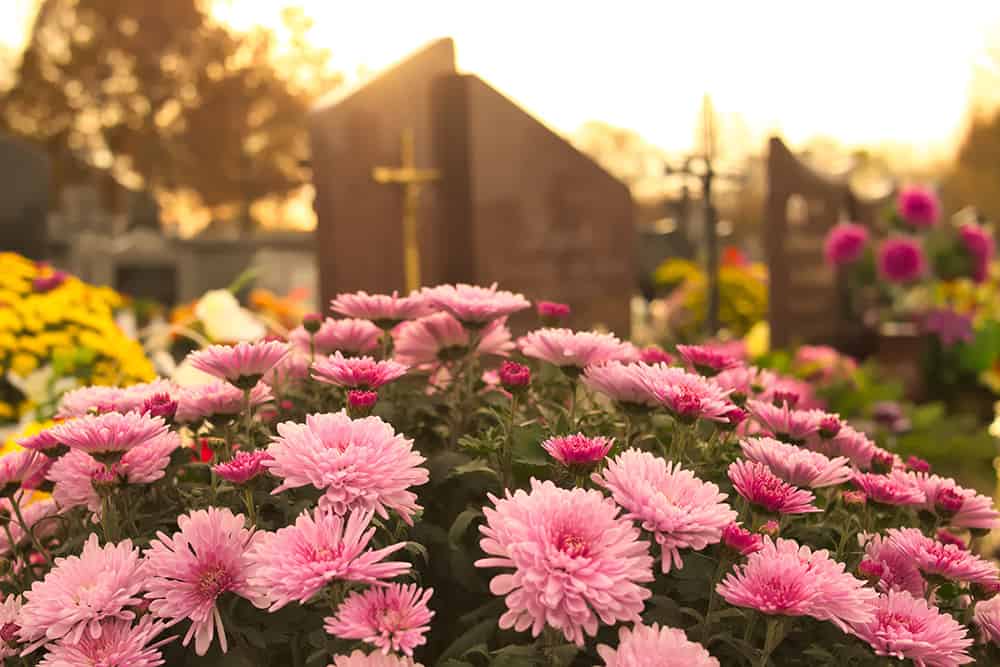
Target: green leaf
461, 524
480, 633
473, 466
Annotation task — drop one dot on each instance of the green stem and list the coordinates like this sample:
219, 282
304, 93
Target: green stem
771, 639
572, 405
713, 597
108, 519
250, 505
248, 419
507, 467
28, 530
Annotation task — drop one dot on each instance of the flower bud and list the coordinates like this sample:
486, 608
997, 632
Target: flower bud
829, 427
948, 502
514, 376
360, 403
312, 322
741, 540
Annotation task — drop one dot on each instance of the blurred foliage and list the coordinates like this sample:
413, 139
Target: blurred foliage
161, 96
742, 297
973, 176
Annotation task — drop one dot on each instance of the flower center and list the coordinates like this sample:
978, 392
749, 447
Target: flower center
8, 633
214, 581
572, 545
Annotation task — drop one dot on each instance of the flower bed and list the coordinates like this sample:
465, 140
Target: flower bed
407, 483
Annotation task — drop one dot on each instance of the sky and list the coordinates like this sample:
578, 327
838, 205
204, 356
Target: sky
864, 72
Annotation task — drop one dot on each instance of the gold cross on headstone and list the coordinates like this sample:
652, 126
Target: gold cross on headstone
412, 179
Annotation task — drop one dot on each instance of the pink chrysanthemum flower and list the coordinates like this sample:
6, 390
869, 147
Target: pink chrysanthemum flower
652, 354
33, 513
849, 442
918, 206
980, 247
361, 659
82, 591
440, 337
787, 579
473, 304
350, 336
741, 540
120, 644
638, 645
755, 482
356, 372
22, 469
216, 398
10, 612
894, 569
357, 463
904, 626
75, 473
297, 561
243, 467
383, 308
795, 465
574, 559
108, 436
43, 441
845, 243
974, 510
136, 396
681, 511
896, 488
901, 259
741, 382
706, 360
572, 349
393, 617
578, 450
242, 364
621, 382
784, 423
189, 570
943, 560
688, 397
986, 617
85, 400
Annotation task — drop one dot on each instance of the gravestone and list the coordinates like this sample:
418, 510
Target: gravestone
807, 299
514, 202
24, 204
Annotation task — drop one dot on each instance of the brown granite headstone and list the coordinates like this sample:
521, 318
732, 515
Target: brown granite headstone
806, 301
515, 204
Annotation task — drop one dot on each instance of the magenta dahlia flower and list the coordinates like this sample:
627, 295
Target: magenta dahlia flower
681, 511
621, 382
787, 579
896, 488
80, 592
573, 349
393, 617
973, 509
986, 617
244, 466
901, 259
120, 644
389, 309
242, 364
216, 398
109, 435
706, 360
190, 570
906, 627
638, 645
944, 560
440, 337
845, 244
356, 372
75, 473
979, 245
576, 562
755, 482
350, 336
918, 206
377, 659
578, 450
885, 561
357, 463
797, 466
472, 304
298, 561
688, 397
22, 469
784, 423
741, 540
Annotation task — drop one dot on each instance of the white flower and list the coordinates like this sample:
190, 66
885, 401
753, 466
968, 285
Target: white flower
225, 321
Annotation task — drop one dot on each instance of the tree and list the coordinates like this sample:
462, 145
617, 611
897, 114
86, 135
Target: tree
975, 172
161, 96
